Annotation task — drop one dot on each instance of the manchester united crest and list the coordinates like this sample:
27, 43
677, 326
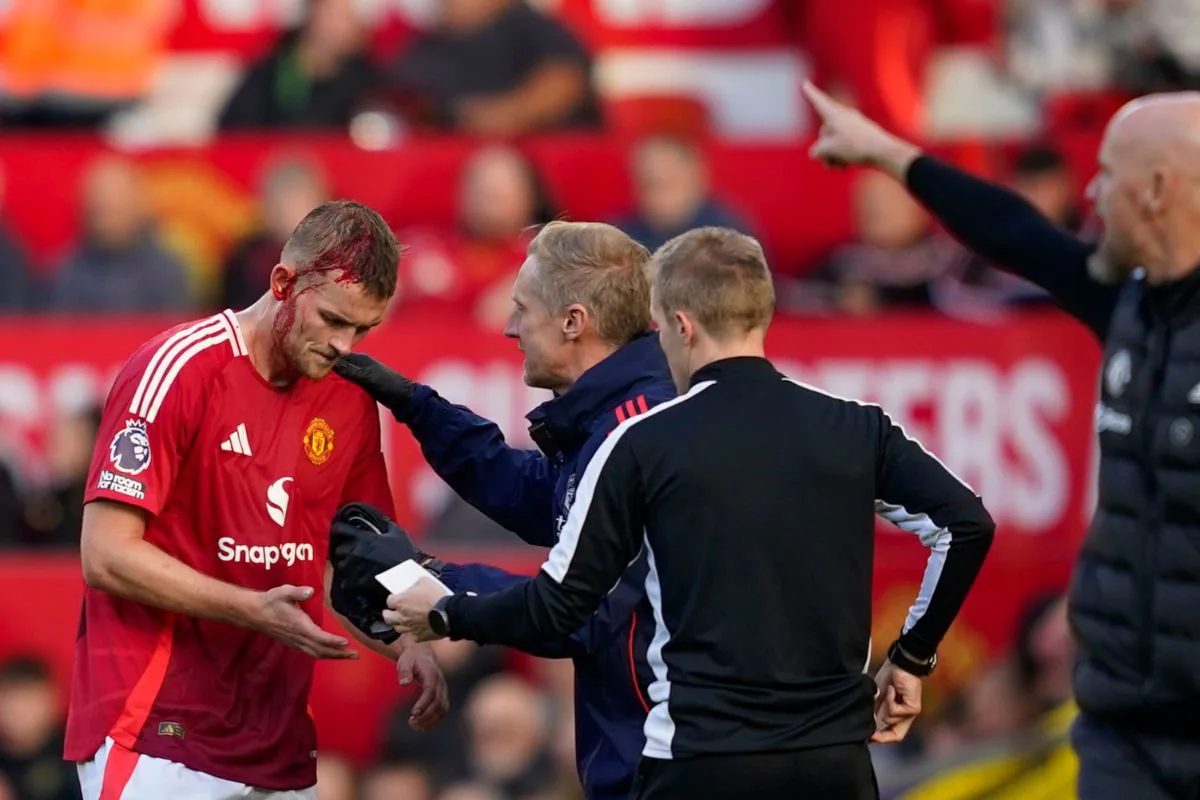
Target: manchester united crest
318, 441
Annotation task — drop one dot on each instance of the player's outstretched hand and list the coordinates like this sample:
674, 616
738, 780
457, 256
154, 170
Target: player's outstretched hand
277, 613
897, 703
417, 662
848, 138
384, 384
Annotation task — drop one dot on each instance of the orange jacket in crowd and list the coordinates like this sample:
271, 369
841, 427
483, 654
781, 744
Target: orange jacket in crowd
92, 50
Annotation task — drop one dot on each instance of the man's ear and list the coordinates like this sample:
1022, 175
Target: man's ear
687, 329
575, 321
283, 281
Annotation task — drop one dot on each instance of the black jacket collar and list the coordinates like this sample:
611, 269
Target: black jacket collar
737, 368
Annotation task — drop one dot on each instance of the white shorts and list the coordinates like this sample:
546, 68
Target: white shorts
117, 774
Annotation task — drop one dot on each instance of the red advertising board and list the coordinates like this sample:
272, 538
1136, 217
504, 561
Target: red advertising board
1007, 407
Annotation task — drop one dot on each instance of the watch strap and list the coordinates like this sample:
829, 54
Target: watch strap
904, 661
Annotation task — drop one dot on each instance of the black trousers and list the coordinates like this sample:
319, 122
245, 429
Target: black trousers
1116, 763
838, 772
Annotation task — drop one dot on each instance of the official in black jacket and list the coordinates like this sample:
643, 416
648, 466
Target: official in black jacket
1135, 593
753, 498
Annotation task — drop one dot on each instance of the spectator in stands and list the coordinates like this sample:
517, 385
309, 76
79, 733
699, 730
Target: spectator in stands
394, 780
74, 63
16, 281
288, 191
975, 289
472, 266
54, 512
672, 193
120, 265
316, 76
495, 67
441, 750
892, 264
509, 725
336, 779
1161, 51
14, 530
1062, 45
470, 791
31, 733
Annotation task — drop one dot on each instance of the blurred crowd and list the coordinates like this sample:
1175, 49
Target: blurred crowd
498, 69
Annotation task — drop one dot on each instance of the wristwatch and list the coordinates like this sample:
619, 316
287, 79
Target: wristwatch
439, 618
904, 661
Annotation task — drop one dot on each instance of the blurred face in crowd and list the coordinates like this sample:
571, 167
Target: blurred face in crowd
70, 447
1054, 651
334, 27
1050, 192
498, 198
401, 781
462, 16
335, 778
469, 791
320, 318
291, 191
28, 714
507, 727
885, 215
114, 203
669, 181
540, 333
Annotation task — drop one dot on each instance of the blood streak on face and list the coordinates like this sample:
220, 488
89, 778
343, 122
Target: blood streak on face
344, 265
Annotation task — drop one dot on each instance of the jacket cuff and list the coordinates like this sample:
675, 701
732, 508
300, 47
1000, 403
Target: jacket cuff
449, 576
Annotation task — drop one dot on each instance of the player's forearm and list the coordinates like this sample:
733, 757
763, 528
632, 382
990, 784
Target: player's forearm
137, 570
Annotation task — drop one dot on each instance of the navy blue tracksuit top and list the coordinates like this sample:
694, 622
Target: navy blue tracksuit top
529, 492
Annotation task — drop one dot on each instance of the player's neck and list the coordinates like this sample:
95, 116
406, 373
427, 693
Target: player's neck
266, 357
708, 350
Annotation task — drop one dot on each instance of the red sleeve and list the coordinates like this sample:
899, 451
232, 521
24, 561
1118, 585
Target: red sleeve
144, 430
368, 481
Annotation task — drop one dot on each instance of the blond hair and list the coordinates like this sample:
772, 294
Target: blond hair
600, 268
718, 275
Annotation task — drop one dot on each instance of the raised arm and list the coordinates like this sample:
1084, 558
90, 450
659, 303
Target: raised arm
992, 221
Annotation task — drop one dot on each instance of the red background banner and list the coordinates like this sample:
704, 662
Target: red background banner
1008, 408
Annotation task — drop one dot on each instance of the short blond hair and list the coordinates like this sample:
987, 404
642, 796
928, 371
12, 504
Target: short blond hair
600, 268
718, 275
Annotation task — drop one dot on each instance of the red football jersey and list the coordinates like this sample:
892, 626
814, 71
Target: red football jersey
241, 480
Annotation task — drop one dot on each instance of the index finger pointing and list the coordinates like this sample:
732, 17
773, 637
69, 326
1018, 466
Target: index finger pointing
823, 103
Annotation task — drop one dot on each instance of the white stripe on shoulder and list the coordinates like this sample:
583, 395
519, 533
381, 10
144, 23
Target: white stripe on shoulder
221, 337
559, 560
238, 342
161, 361
888, 416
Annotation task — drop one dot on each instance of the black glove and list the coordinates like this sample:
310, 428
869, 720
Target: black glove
384, 384
363, 543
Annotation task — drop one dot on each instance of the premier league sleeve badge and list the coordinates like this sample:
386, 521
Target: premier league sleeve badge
130, 449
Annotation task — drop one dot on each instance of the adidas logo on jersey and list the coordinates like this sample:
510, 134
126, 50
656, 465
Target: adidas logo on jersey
237, 442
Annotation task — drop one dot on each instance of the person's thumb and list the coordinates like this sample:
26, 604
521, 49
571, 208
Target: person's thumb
296, 594
404, 668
